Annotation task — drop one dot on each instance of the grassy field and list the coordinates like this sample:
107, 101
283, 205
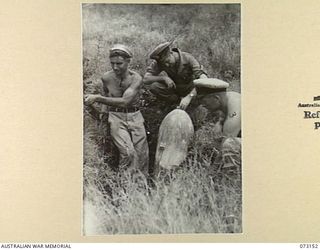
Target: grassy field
201, 196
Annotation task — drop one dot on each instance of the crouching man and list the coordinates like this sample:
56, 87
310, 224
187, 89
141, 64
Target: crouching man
171, 75
121, 94
227, 104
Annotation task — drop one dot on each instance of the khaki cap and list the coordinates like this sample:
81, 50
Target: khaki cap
121, 48
156, 53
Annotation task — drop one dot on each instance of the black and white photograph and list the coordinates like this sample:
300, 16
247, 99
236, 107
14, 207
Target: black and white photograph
159, 122
161, 119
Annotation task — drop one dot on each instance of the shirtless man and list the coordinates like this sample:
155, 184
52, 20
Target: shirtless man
121, 95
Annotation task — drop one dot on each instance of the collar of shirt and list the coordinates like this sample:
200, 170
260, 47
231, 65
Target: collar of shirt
182, 60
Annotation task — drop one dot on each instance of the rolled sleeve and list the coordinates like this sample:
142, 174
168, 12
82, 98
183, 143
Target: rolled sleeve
197, 69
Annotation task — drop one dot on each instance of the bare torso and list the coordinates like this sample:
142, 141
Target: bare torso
115, 86
230, 104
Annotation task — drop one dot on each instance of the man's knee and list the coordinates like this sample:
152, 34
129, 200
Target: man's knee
127, 157
128, 153
156, 88
163, 93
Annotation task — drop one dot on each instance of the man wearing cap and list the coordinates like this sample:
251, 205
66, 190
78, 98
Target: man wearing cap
180, 81
121, 88
171, 75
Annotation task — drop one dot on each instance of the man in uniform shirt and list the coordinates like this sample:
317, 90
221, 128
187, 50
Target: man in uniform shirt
122, 94
171, 75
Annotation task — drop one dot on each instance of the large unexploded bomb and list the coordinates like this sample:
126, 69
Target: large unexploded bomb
176, 131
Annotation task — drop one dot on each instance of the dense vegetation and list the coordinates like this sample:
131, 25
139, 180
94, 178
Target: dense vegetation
203, 195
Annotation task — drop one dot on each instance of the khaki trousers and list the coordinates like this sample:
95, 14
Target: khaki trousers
129, 135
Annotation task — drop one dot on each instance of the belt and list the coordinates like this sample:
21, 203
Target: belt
124, 110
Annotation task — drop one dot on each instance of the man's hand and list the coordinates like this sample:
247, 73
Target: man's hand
185, 101
90, 99
170, 83
202, 76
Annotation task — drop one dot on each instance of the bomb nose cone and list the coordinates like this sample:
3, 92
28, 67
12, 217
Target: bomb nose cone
175, 133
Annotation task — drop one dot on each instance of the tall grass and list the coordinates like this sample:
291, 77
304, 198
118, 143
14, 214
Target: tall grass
200, 196
210, 32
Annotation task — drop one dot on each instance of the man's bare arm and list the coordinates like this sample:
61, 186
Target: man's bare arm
126, 99
185, 101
